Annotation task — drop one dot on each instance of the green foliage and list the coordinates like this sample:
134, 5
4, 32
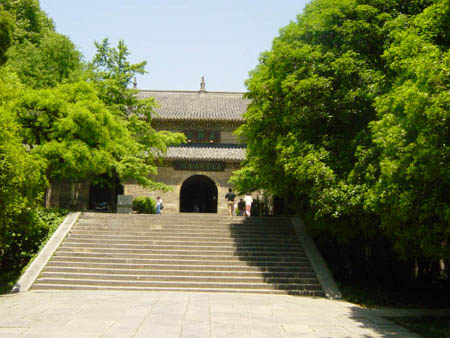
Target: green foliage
24, 239
72, 129
349, 122
22, 178
7, 280
112, 73
411, 136
31, 23
6, 33
53, 61
144, 205
78, 136
63, 119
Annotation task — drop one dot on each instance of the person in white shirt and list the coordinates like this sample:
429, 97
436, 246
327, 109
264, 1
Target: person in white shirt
159, 206
248, 204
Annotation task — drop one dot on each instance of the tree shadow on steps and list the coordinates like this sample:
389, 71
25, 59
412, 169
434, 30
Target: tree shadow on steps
270, 246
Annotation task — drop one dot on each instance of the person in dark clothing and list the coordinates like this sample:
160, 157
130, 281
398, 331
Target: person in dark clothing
241, 207
230, 196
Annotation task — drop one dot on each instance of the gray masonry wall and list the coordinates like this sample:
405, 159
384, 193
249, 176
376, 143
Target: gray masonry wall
175, 179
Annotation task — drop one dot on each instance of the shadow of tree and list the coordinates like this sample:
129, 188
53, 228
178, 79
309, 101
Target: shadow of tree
271, 245
363, 322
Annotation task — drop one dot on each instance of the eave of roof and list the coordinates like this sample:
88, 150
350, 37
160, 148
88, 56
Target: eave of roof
201, 106
193, 153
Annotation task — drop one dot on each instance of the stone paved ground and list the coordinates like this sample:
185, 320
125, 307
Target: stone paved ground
185, 314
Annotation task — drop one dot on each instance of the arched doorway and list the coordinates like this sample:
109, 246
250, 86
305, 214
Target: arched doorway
103, 193
198, 194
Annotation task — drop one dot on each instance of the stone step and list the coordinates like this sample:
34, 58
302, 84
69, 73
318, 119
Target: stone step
178, 216
190, 232
184, 284
172, 236
74, 263
186, 240
200, 252
176, 278
181, 224
174, 224
114, 270
179, 257
187, 261
306, 293
186, 246
147, 227
183, 219
183, 251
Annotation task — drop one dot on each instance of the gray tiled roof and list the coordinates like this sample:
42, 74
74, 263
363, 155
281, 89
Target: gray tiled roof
205, 154
190, 105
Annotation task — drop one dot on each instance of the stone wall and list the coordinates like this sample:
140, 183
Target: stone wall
67, 194
175, 179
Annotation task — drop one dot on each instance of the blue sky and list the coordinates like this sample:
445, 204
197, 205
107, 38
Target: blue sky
180, 40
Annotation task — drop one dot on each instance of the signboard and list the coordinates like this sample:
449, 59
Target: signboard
199, 166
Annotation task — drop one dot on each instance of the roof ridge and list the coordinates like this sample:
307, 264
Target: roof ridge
188, 91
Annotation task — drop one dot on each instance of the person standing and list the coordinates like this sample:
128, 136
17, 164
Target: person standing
230, 196
248, 204
159, 205
241, 207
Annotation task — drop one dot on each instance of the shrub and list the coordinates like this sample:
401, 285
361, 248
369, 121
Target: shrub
144, 205
23, 237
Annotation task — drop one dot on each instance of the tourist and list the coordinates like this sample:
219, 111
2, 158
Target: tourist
159, 205
248, 204
241, 207
230, 196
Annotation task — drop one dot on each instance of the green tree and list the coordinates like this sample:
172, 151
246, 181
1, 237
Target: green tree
349, 121
53, 61
112, 74
31, 23
78, 136
22, 176
6, 33
411, 137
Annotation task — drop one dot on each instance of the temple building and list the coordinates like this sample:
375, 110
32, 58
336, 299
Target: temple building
198, 171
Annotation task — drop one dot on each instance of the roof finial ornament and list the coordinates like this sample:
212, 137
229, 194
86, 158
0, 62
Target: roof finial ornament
203, 85
135, 84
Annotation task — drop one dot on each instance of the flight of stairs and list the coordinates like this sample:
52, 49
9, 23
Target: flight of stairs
190, 252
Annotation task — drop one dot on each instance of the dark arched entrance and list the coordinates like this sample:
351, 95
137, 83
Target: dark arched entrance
103, 193
198, 194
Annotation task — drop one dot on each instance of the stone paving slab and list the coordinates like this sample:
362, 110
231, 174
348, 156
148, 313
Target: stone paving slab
186, 314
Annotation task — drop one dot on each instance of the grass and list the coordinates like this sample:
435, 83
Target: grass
427, 327
52, 218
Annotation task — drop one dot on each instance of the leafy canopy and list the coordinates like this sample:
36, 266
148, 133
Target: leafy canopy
349, 122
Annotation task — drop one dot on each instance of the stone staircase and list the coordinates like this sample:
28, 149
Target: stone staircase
189, 252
